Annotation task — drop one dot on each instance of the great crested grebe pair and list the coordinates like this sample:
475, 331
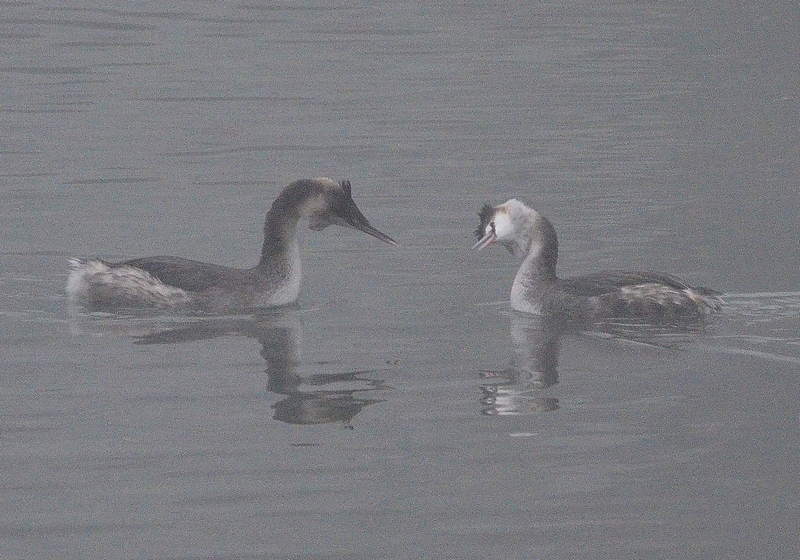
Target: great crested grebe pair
173, 282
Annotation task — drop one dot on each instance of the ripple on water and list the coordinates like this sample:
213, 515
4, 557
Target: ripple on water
761, 325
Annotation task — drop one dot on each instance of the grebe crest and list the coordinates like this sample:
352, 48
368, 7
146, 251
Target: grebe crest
165, 281
530, 237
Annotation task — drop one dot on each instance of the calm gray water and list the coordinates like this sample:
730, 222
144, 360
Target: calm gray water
402, 411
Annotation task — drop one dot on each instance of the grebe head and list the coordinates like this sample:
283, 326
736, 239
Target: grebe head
331, 203
511, 224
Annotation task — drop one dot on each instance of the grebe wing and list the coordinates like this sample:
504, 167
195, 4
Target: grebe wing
186, 274
609, 281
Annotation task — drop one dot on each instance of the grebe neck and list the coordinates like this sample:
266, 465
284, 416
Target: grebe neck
280, 225
280, 237
538, 250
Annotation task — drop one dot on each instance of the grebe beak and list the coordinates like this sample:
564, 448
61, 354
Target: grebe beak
368, 229
486, 240
351, 216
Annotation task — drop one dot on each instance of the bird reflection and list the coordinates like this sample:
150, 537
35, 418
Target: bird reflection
309, 399
313, 399
534, 367
520, 389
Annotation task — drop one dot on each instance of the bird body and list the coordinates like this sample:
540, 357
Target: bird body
175, 282
529, 236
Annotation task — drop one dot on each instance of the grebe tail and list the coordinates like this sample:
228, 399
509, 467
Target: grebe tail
172, 282
529, 236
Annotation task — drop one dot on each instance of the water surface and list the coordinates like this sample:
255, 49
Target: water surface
402, 411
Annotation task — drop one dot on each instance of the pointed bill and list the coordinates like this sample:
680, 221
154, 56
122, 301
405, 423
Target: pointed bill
486, 240
351, 216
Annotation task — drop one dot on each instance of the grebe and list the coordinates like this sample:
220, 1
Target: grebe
176, 282
531, 237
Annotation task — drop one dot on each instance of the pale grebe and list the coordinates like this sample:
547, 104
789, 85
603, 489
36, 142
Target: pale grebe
177, 282
531, 237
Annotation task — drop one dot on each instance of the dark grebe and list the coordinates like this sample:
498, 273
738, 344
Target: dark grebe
178, 282
531, 237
